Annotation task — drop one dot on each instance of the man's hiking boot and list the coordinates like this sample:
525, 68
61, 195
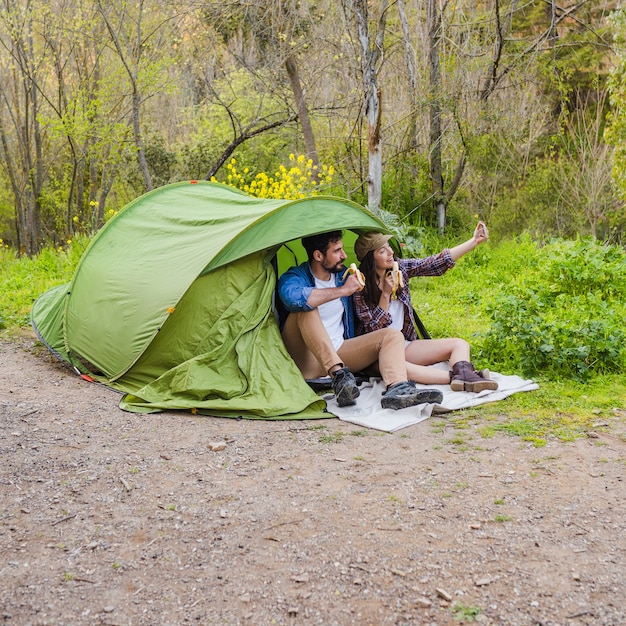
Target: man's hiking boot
403, 395
463, 377
345, 387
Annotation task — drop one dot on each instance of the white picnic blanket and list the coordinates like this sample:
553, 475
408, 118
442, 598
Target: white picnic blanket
368, 412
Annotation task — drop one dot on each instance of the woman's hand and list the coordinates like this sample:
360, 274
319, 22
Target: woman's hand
386, 285
481, 233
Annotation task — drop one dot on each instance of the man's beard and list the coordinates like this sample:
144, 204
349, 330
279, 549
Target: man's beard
335, 269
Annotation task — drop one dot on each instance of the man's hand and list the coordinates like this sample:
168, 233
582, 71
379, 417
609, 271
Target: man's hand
352, 285
353, 269
321, 296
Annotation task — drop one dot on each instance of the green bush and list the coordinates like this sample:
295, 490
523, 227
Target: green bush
562, 316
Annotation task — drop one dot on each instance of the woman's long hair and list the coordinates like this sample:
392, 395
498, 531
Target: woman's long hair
371, 291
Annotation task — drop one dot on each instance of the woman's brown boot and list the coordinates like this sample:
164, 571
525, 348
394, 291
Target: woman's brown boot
463, 377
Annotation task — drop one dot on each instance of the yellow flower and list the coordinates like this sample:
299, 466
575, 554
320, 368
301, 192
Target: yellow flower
292, 183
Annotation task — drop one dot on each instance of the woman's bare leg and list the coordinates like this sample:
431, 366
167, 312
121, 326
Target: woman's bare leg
422, 353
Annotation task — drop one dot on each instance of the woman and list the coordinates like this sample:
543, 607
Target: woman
383, 302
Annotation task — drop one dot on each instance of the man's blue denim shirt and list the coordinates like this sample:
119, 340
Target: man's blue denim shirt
294, 289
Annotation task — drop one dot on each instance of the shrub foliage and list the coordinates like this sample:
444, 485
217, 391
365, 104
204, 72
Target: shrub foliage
563, 315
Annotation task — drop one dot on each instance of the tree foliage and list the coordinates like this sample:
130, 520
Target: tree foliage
101, 101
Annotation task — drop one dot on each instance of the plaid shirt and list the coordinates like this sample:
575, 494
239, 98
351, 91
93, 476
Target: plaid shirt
370, 318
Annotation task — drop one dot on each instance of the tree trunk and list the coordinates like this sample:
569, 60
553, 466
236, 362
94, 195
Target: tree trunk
141, 153
412, 76
131, 62
303, 112
370, 54
435, 135
23, 157
375, 152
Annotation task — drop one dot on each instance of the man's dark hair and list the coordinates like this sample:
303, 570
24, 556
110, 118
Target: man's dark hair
320, 242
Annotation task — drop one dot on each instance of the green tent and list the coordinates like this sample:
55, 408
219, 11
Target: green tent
172, 302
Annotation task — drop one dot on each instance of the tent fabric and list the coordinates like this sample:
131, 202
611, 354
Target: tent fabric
171, 302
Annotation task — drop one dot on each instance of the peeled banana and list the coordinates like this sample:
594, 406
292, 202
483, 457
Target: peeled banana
398, 281
353, 269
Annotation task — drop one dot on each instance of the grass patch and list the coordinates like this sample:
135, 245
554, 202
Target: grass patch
332, 437
24, 279
465, 613
562, 410
359, 433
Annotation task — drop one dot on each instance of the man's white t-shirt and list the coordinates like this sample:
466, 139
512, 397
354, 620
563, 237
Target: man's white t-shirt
331, 312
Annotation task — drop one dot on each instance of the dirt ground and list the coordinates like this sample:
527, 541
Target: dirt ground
109, 517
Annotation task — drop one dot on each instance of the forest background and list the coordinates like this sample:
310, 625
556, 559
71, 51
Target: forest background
432, 111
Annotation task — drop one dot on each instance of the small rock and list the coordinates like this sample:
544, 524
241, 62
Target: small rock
216, 446
424, 603
481, 582
442, 593
593, 435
